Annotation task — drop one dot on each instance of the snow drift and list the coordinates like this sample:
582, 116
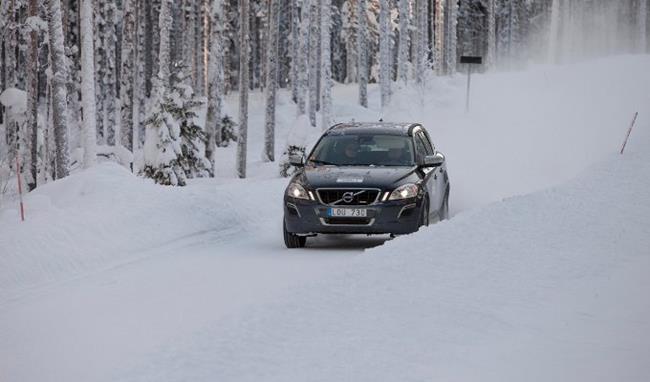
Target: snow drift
105, 216
548, 286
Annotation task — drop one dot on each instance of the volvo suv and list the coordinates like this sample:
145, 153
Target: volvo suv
366, 178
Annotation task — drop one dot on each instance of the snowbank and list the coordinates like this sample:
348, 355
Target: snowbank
105, 216
548, 286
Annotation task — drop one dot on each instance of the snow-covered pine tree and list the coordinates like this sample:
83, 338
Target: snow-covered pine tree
268, 154
184, 107
162, 135
362, 39
215, 81
385, 65
314, 47
127, 73
59, 91
326, 65
244, 56
403, 45
89, 127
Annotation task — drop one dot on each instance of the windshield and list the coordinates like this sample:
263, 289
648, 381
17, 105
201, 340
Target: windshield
364, 150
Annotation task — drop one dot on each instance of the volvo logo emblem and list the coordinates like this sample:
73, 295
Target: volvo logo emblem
348, 197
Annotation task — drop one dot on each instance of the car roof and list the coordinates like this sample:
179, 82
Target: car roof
388, 128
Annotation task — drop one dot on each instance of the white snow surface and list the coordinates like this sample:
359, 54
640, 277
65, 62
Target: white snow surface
15, 99
540, 275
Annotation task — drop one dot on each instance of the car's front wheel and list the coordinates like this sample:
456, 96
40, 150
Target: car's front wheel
292, 240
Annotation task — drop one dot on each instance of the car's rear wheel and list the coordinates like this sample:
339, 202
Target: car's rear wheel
292, 240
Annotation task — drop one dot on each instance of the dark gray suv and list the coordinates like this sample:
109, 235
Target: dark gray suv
366, 178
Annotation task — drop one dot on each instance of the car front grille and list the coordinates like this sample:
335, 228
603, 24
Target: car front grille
348, 196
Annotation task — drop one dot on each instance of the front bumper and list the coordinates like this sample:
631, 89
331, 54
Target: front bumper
398, 217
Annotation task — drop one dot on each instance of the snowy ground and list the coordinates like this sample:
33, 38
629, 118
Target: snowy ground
114, 278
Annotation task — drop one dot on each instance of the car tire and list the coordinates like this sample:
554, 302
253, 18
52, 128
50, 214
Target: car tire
292, 240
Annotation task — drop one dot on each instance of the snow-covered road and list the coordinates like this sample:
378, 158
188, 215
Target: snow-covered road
113, 278
87, 328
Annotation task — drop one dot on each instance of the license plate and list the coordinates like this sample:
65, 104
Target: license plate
347, 212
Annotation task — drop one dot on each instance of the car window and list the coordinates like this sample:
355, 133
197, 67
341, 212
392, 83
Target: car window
364, 150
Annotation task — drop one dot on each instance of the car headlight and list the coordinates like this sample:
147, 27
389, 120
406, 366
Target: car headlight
405, 191
295, 190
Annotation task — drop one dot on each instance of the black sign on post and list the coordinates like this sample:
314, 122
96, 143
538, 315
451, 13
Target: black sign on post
470, 60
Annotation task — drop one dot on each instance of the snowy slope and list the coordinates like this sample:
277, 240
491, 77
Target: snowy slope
548, 286
114, 278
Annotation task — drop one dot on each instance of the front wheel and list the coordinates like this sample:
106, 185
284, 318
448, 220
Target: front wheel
292, 240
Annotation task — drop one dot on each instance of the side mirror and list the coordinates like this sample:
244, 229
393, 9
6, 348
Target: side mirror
296, 160
434, 160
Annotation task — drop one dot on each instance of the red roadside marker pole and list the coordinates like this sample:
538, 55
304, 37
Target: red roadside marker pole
20, 189
629, 131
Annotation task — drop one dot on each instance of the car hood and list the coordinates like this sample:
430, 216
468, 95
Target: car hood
355, 176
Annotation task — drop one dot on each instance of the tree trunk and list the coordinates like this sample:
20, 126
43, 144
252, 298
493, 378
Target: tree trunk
303, 57
215, 81
32, 99
362, 36
439, 37
314, 47
271, 81
89, 140
492, 34
244, 56
148, 47
451, 45
385, 67
59, 96
295, 49
403, 48
421, 43
127, 77
326, 66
